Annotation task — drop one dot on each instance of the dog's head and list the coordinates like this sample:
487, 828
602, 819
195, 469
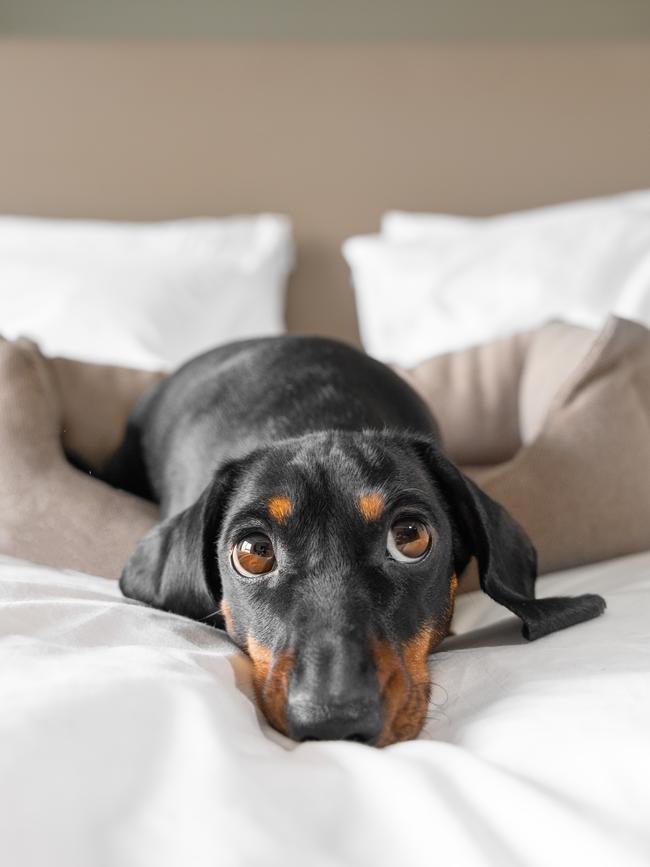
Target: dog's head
333, 560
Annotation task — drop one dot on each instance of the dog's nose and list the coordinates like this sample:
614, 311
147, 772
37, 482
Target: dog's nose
352, 721
333, 689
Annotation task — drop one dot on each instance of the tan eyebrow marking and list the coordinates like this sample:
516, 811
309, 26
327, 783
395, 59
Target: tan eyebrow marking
279, 508
371, 506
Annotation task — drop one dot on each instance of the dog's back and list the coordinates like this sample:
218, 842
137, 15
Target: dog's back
238, 397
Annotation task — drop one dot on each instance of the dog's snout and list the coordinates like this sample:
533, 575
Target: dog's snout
334, 692
353, 721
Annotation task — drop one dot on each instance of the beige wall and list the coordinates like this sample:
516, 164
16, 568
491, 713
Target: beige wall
329, 19
330, 134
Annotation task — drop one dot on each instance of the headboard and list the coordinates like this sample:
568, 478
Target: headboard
330, 134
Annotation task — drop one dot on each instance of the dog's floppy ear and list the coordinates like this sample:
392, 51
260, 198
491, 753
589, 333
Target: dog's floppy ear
506, 558
174, 566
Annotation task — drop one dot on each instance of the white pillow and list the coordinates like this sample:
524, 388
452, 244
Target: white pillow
147, 295
433, 283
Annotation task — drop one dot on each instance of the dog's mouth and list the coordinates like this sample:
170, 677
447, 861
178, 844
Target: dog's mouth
402, 681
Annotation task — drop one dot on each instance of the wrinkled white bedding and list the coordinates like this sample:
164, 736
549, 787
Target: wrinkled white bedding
125, 740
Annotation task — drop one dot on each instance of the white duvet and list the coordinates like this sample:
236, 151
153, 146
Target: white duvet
128, 737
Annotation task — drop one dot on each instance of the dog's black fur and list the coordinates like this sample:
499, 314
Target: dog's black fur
318, 423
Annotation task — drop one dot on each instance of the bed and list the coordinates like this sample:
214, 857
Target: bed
130, 736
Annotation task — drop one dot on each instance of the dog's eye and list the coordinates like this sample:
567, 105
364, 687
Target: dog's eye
408, 540
254, 555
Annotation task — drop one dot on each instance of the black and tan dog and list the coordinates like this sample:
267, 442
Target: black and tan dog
308, 508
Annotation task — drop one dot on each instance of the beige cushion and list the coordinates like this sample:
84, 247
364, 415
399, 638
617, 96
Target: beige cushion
579, 482
95, 403
474, 394
555, 354
49, 512
581, 488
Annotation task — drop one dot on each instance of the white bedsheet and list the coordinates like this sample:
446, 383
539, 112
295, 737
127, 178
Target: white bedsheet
125, 740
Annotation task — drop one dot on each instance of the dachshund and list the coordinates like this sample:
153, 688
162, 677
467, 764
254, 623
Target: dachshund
308, 508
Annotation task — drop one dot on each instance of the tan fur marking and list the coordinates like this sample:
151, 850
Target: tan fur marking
279, 508
404, 685
449, 611
371, 506
271, 681
227, 616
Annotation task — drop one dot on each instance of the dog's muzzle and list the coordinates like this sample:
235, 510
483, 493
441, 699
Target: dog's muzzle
334, 692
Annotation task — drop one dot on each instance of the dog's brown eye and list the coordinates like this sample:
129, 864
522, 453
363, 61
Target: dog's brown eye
408, 540
254, 555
